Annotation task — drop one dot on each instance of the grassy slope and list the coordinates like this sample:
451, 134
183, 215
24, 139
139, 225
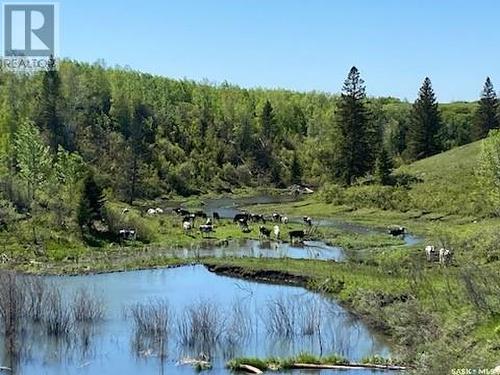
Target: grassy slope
449, 184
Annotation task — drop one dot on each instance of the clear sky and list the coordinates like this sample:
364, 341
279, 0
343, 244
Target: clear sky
295, 44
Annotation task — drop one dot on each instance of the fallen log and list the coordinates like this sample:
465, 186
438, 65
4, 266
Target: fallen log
250, 369
355, 366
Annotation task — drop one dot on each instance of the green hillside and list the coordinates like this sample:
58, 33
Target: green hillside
448, 182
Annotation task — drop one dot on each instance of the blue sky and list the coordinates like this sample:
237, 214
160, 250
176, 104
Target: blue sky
296, 44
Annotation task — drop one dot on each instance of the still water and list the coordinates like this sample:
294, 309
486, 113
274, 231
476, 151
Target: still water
249, 320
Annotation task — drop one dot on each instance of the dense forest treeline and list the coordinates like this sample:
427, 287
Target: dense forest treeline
143, 136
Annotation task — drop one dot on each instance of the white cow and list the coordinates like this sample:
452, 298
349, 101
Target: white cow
284, 220
276, 231
187, 226
158, 210
430, 253
445, 256
151, 211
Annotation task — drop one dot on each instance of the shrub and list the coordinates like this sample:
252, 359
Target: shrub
132, 220
332, 194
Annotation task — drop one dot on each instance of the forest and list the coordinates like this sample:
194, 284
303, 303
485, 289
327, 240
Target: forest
78, 134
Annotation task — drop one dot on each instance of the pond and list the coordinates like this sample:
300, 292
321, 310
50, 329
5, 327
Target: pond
240, 318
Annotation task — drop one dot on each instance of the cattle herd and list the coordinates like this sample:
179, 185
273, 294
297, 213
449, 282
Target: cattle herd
243, 220
433, 254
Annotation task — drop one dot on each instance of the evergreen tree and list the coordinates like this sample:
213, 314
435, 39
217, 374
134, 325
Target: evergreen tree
383, 167
423, 132
354, 159
91, 203
295, 170
267, 121
485, 117
50, 112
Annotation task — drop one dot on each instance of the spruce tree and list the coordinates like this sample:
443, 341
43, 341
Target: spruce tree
267, 121
485, 117
383, 168
91, 202
50, 112
425, 123
354, 159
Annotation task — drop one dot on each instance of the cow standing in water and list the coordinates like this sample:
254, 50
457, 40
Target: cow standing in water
276, 231
264, 232
296, 234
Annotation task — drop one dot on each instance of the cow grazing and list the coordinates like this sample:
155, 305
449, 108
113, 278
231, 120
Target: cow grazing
430, 253
187, 226
159, 210
276, 217
276, 231
151, 211
307, 220
189, 218
396, 231
128, 234
242, 216
216, 216
445, 256
205, 229
181, 212
296, 234
257, 217
264, 232
284, 220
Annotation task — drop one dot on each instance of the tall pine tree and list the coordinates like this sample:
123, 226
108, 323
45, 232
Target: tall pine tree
383, 168
91, 204
50, 108
354, 159
486, 117
425, 123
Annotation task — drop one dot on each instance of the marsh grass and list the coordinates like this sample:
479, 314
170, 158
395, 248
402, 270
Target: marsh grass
86, 307
200, 326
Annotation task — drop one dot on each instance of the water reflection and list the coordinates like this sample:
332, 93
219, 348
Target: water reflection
209, 316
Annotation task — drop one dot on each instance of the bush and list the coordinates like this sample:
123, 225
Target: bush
332, 194
116, 221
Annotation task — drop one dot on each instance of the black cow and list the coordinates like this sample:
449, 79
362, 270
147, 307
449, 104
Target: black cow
188, 218
181, 212
216, 216
238, 217
264, 232
206, 229
307, 220
396, 231
300, 234
276, 217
